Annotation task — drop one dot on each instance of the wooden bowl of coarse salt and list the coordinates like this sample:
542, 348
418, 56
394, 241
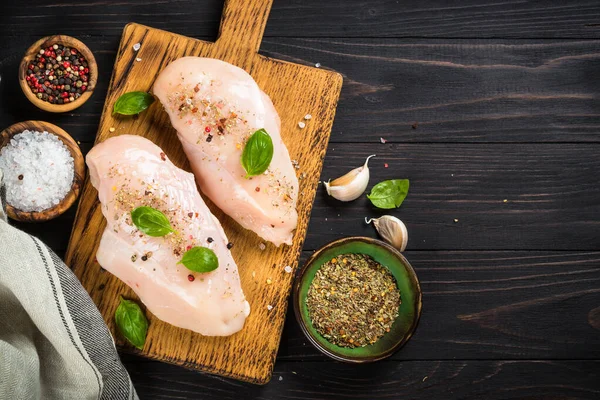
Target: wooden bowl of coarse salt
43, 170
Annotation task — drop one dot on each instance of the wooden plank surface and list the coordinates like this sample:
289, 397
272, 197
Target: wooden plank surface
487, 379
495, 305
552, 196
457, 91
316, 18
504, 79
295, 90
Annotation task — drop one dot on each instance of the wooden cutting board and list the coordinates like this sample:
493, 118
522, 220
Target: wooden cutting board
296, 90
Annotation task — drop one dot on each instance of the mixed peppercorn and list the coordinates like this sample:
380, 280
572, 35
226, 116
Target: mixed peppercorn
58, 75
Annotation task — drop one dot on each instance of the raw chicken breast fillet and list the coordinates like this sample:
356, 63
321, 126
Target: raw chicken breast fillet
215, 107
131, 171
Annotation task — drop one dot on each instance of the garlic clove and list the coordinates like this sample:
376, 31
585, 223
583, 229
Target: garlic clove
392, 230
351, 185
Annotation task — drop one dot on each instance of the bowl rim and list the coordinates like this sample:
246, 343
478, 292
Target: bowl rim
368, 359
71, 42
78, 175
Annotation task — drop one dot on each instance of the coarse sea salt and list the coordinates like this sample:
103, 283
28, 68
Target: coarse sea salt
38, 170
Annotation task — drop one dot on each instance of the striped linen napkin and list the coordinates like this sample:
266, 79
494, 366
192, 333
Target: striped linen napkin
53, 341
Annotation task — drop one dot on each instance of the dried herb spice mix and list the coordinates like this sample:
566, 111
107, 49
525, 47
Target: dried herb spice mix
58, 75
353, 300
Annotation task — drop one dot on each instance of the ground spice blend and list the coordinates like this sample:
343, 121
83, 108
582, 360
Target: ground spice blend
353, 300
58, 75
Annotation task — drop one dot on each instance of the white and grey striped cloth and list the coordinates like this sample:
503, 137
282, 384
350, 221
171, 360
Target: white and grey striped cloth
53, 341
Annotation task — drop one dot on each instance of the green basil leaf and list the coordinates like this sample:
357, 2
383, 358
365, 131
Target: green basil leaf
151, 221
258, 153
132, 322
132, 103
200, 259
389, 194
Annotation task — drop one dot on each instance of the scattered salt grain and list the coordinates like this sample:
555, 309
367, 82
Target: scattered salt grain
288, 269
280, 378
138, 59
38, 170
301, 125
318, 65
262, 246
307, 117
382, 140
269, 307
136, 46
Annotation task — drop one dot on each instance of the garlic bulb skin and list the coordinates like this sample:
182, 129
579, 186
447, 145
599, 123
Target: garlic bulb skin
392, 230
350, 186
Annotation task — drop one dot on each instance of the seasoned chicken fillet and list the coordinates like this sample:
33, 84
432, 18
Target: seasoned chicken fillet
131, 171
215, 107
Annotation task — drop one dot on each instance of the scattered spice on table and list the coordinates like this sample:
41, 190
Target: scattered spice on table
58, 75
38, 170
353, 300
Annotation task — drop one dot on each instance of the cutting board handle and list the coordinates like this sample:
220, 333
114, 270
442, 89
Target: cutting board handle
243, 23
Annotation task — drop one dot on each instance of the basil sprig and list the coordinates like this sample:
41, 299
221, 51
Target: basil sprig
389, 194
258, 153
151, 221
132, 322
132, 103
200, 259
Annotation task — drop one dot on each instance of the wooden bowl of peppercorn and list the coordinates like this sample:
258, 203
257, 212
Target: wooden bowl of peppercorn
58, 73
338, 304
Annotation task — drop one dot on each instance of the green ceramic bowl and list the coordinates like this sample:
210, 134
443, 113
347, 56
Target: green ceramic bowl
408, 284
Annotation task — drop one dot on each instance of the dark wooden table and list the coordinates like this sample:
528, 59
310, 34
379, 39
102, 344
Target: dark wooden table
492, 109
